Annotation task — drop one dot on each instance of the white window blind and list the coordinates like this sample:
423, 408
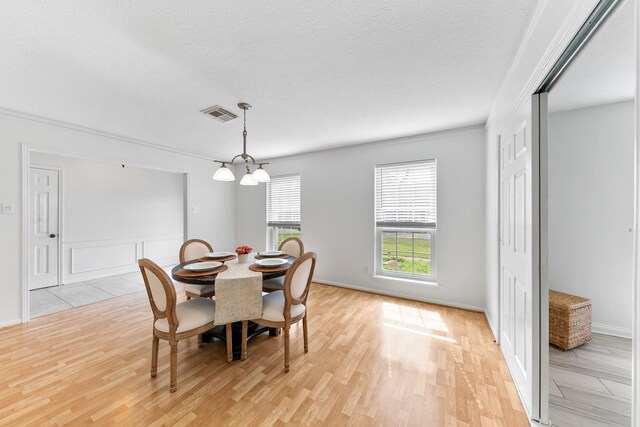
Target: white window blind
406, 194
283, 201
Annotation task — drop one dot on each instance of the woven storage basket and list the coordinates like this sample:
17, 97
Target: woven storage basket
569, 320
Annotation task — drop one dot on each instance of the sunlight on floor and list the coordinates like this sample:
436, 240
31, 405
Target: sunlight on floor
426, 334
421, 332
427, 323
412, 319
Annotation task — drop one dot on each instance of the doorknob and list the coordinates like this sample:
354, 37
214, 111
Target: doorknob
52, 236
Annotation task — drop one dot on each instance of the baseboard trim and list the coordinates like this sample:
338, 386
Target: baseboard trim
401, 295
492, 327
614, 331
10, 323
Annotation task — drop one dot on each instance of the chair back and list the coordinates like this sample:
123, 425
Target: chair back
292, 246
194, 249
298, 280
160, 290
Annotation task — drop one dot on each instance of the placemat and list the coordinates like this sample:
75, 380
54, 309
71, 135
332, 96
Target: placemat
267, 257
187, 273
207, 259
261, 269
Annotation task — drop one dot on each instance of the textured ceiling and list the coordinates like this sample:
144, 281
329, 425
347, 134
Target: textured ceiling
318, 73
604, 71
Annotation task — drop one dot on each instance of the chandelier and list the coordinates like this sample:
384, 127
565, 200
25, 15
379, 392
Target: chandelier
259, 175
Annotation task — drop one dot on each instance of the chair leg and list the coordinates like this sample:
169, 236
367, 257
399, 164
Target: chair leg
305, 334
286, 349
173, 362
154, 356
245, 327
199, 340
229, 352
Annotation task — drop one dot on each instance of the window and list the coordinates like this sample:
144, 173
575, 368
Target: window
406, 198
283, 209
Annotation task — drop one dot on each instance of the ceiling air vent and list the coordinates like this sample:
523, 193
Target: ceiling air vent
220, 114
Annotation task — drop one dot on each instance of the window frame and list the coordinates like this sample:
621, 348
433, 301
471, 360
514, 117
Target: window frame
379, 271
272, 228
272, 233
415, 228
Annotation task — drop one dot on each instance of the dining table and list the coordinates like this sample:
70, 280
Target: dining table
240, 269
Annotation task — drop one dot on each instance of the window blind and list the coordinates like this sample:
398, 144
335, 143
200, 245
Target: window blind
283, 201
406, 194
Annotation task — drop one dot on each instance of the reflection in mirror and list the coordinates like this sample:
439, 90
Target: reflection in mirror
590, 220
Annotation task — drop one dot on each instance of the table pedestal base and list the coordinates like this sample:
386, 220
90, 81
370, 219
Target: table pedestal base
236, 335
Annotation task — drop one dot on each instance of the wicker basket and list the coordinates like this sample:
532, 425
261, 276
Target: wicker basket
569, 320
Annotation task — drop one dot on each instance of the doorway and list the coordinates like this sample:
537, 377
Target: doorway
93, 225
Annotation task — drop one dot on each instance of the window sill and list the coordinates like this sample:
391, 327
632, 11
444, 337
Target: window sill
405, 280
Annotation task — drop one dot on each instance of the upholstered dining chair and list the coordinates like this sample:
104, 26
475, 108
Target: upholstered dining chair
175, 321
190, 250
280, 309
292, 246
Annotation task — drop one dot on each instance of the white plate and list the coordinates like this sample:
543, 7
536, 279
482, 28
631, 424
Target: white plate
271, 253
271, 262
219, 254
203, 266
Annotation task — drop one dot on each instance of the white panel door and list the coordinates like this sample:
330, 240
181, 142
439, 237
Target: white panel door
43, 228
516, 252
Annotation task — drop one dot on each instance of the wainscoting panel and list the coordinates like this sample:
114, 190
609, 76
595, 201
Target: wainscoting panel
161, 249
87, 260
91, 258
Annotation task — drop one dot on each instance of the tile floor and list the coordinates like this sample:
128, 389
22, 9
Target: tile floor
591, 384
58, 298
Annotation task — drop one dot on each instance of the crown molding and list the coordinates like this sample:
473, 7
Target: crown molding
378, 143
103, 134
563, 36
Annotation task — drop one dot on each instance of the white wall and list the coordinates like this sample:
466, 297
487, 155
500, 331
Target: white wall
214, 221
553, 26
338, 213
591, 158
112, 216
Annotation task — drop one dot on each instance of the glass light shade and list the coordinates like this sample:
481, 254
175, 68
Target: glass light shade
224, 174
248, 179
261, 175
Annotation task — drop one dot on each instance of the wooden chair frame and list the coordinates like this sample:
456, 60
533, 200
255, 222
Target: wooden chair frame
172, 319
183, 249
289, 300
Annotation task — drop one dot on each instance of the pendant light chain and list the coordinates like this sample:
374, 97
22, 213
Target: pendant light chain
244, 137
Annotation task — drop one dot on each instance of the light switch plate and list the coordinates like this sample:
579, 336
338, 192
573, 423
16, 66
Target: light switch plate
7, 209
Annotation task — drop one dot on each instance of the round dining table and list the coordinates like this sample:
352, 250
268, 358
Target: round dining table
236, 327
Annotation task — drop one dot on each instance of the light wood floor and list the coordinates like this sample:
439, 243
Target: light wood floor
591, 384
373, 360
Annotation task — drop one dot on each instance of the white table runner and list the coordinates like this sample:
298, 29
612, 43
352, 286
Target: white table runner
238, 294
